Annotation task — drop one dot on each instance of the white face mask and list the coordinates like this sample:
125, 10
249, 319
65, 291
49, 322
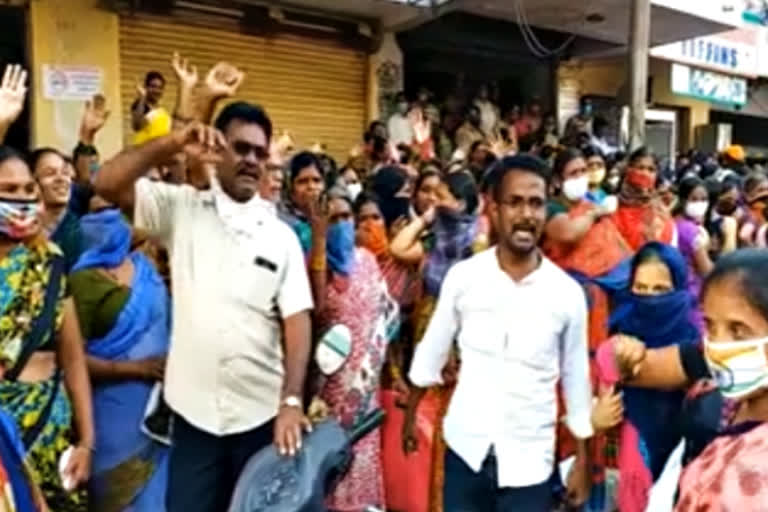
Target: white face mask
696, 209
739, 367
576, 188
354, 189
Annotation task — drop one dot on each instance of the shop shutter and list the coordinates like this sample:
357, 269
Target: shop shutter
315, 88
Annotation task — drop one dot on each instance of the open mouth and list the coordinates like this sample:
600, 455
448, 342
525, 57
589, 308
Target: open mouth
524, 235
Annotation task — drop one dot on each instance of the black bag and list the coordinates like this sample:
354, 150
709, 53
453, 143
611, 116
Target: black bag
271, 482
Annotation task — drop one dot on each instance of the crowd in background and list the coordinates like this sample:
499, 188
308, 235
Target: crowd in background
572, 325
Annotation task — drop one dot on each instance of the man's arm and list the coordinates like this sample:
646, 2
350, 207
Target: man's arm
577, 388
116, 179
294, 300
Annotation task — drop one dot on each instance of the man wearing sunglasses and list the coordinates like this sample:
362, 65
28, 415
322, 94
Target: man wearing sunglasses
241, 298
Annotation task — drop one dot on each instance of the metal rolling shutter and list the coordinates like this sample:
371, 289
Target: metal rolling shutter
313, 87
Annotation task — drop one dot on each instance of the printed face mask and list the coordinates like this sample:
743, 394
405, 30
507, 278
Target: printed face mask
19, 219
739, 367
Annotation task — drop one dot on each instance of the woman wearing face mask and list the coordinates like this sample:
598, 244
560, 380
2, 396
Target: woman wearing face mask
722, 220
692, 236
657, 308
756, 197
455, 235
41, 349
50, 170
349, 290
596, 174
641, 216
580, 239
351, 182
724, 418
123, 307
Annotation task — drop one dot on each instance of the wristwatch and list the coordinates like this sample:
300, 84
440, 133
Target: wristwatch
292, 401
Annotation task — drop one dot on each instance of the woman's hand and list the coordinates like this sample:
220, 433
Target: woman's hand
410, 440
152, 368
223, 81
318, 215
630, 354
608, 410
78, 469
429, 216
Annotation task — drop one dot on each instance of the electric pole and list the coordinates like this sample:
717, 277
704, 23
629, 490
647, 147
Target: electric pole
639, 42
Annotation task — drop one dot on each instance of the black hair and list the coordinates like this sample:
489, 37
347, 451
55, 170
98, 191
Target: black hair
369, 134
388, 181
303, 160
247, 112
406, 153
8, 153
364, 198
379, 144
464, 188
519, 163
565, 157
591, 151
153, 75
752, 181
35, 157
750, 268
643, 152
425, 174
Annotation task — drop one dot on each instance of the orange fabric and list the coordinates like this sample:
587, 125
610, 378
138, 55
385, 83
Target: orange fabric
601, 249
644, 223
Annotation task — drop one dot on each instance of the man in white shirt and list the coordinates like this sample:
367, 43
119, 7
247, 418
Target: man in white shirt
241, 299
520, 324
400, 126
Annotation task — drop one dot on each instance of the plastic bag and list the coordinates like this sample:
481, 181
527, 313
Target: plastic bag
407, 478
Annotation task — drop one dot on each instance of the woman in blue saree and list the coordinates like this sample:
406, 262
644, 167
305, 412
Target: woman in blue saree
123, 305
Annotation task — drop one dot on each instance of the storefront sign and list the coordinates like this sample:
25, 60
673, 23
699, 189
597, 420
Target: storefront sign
708, 85
735, 55
71, 83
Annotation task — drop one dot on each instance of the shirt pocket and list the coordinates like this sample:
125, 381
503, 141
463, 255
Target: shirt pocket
258, 281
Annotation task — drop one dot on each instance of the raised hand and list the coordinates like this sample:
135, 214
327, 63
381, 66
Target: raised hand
94, 116
141, 91
13, 91
185, 73
422, 128
199, 141
223, 80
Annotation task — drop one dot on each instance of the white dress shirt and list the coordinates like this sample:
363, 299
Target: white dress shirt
400, 129
515, 340
236, 271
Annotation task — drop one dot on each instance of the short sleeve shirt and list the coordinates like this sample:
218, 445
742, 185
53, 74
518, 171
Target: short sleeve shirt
230, 294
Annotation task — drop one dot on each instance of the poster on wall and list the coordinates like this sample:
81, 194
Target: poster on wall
71, 83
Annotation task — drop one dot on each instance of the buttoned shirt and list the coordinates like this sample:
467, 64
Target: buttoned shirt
516, 339
236, 271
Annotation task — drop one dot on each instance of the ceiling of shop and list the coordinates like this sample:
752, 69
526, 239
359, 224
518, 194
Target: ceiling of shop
667, 25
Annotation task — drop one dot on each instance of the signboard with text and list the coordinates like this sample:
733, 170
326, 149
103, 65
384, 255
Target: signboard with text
735, 52
708, 85
71, 83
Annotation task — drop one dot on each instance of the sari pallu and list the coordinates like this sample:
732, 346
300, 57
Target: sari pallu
600, 263
130, 470
42, 410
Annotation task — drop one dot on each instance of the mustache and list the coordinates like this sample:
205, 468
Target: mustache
525, 226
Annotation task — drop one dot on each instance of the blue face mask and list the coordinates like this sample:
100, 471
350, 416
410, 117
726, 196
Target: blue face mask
340, 247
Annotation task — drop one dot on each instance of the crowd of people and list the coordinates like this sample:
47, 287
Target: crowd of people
582, 323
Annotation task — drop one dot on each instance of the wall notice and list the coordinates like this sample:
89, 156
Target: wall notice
71, 83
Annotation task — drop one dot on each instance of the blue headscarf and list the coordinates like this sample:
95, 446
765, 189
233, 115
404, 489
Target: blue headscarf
340, 247
107, 239
658, 321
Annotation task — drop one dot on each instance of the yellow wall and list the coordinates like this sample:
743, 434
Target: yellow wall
73, 32
607, 77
